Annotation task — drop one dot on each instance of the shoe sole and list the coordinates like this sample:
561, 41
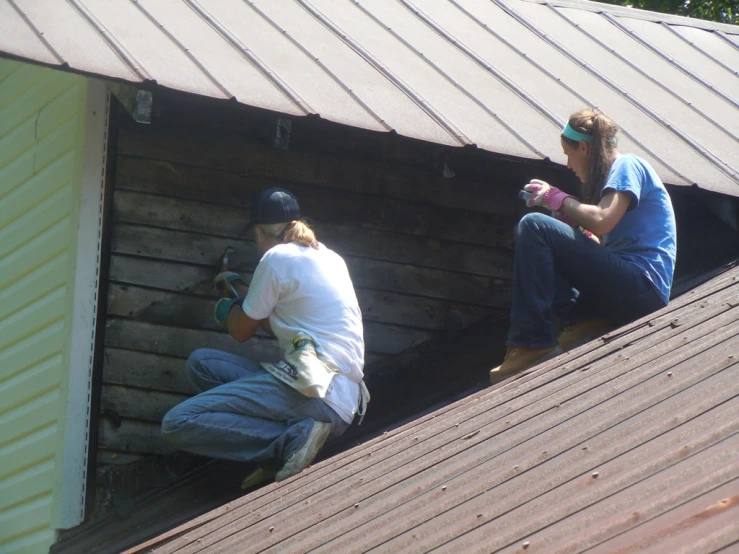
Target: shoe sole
303, 456
257, 477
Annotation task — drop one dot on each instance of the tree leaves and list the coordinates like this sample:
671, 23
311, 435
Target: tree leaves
723, 11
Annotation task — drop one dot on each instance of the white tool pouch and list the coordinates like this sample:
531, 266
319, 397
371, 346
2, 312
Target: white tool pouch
302, 369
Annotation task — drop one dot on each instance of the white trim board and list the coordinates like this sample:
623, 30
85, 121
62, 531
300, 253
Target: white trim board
82, 339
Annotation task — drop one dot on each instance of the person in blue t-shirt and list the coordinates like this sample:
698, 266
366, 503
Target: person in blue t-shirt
591, 264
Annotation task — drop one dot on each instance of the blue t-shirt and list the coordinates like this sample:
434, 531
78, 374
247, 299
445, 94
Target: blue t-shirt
646, 234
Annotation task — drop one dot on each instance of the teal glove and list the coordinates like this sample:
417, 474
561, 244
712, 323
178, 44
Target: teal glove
224, 284
223, 307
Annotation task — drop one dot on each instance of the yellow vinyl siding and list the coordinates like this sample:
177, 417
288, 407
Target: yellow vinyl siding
42, 117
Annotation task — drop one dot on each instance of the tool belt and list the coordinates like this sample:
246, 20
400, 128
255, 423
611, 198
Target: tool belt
302, 368
309, 373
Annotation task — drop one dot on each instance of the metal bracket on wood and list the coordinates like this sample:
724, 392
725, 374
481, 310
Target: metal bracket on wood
136, 101
282, 133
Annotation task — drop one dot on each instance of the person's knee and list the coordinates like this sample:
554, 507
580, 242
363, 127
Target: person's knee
534, 220
195, 365
530, 225
173, 421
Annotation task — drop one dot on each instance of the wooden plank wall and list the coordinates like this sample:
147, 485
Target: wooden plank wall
427, 253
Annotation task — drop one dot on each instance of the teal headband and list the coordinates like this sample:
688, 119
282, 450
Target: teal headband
570, 133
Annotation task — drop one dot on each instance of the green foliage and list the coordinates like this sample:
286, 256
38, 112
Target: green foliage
724, 11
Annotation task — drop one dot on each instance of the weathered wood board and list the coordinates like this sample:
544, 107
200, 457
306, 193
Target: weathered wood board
428, 255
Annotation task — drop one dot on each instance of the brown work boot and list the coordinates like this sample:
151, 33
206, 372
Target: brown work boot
517, 359
581, 332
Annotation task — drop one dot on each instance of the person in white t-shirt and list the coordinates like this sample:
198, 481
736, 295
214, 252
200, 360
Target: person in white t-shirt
278, 415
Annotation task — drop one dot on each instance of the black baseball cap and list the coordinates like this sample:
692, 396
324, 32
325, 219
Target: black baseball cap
274, 205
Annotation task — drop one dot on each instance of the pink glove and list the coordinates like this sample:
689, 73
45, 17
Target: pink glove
590, 235
544, 195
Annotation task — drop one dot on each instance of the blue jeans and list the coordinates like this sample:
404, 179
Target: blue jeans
560, 273
243, 413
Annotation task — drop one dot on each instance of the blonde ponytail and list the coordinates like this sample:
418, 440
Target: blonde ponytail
295, 231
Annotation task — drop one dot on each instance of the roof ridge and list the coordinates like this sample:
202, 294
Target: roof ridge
647, 15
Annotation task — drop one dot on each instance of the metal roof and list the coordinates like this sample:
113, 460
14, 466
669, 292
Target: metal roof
499, 74
628, 443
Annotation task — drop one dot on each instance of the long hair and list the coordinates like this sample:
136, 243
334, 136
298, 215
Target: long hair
294, 231
601, 154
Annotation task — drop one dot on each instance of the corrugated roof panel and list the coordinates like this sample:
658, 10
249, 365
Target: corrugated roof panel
226, 57
731, 39
20, 39
605, 445
301, 72
380, 96
387, 56
687, 56
76, 41
144, 39
501, 74
625, 95
717, 134
697, 520
711, 45
528, 37
424, 76
495, 111
484, 40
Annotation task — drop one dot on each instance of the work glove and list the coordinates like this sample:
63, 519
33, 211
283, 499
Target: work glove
564, 218
544, 195
223, 307
590, 235
225, 282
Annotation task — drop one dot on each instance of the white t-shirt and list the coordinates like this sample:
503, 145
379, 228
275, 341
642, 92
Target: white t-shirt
306, 289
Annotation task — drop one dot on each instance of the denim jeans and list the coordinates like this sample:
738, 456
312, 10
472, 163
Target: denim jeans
243, 413
560, 273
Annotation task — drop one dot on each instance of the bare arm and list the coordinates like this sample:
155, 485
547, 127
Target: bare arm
240, 326
266, 327
601, 218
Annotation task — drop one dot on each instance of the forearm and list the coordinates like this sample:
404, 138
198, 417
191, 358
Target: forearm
241, 327
591, 217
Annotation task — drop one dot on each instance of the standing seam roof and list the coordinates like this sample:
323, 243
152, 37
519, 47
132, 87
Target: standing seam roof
501, 75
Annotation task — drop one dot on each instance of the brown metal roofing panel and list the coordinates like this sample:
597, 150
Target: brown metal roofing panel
642, 421
541, 462
703, 517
